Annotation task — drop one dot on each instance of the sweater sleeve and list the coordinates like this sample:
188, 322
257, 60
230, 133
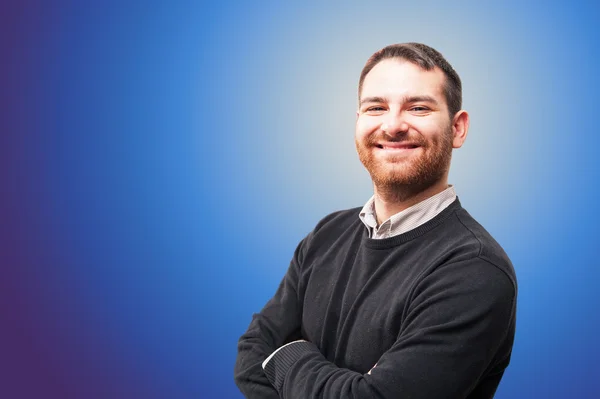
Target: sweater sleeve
276, 324
459, 318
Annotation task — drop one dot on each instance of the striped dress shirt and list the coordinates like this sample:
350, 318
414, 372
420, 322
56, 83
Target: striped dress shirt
409, 218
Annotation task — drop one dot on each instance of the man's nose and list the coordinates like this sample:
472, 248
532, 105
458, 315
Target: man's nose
394, 125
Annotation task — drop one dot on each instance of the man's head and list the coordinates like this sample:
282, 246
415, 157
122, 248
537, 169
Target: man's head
409, 118
425, 57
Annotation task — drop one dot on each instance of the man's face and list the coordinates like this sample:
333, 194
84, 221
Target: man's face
403, 131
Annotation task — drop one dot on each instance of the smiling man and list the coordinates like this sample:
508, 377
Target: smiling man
407, 296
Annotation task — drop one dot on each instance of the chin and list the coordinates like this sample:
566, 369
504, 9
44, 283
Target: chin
395, 178
405, 174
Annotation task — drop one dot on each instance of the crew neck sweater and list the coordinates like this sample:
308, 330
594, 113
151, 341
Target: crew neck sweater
432, 308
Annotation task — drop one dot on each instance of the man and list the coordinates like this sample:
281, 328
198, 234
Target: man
408, 297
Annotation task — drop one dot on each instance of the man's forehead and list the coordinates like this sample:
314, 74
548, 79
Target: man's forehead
395, 75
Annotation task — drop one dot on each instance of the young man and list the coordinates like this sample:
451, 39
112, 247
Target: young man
408, 297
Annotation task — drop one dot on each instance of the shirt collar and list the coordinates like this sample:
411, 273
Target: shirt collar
407, 219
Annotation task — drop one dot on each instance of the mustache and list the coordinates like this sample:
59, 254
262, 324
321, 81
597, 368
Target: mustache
373, 140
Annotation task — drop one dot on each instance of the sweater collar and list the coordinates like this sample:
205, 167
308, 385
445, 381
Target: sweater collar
408, 219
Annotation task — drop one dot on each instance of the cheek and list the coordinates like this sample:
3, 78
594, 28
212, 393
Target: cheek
358, 131
364, 127
430, 127
433, 131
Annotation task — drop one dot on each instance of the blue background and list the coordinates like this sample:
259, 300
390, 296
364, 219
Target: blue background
160, 161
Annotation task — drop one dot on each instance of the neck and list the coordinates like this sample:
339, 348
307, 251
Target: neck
391, 200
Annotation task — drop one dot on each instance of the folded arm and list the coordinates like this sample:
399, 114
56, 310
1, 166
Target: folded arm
277, 323
457, 320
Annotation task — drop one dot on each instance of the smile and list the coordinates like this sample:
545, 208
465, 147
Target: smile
397, 146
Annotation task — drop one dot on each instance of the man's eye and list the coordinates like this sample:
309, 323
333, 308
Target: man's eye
419, 109
375, 109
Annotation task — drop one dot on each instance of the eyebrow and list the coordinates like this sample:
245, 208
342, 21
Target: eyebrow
372, 100
410, 99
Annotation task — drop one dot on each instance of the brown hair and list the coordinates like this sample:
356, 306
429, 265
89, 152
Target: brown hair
425, 57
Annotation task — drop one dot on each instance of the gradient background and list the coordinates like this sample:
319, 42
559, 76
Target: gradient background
160, 161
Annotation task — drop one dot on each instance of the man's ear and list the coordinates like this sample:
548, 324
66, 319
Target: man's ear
460, 128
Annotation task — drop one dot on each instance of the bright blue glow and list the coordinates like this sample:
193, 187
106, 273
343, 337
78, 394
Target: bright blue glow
168, 159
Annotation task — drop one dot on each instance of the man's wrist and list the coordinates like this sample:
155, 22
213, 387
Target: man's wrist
278, 349
277, 365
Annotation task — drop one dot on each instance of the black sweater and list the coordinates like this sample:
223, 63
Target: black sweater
433, 308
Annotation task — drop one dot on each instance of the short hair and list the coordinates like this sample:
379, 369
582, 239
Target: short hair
426, 58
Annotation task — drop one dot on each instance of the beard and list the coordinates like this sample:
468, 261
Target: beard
404, 176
